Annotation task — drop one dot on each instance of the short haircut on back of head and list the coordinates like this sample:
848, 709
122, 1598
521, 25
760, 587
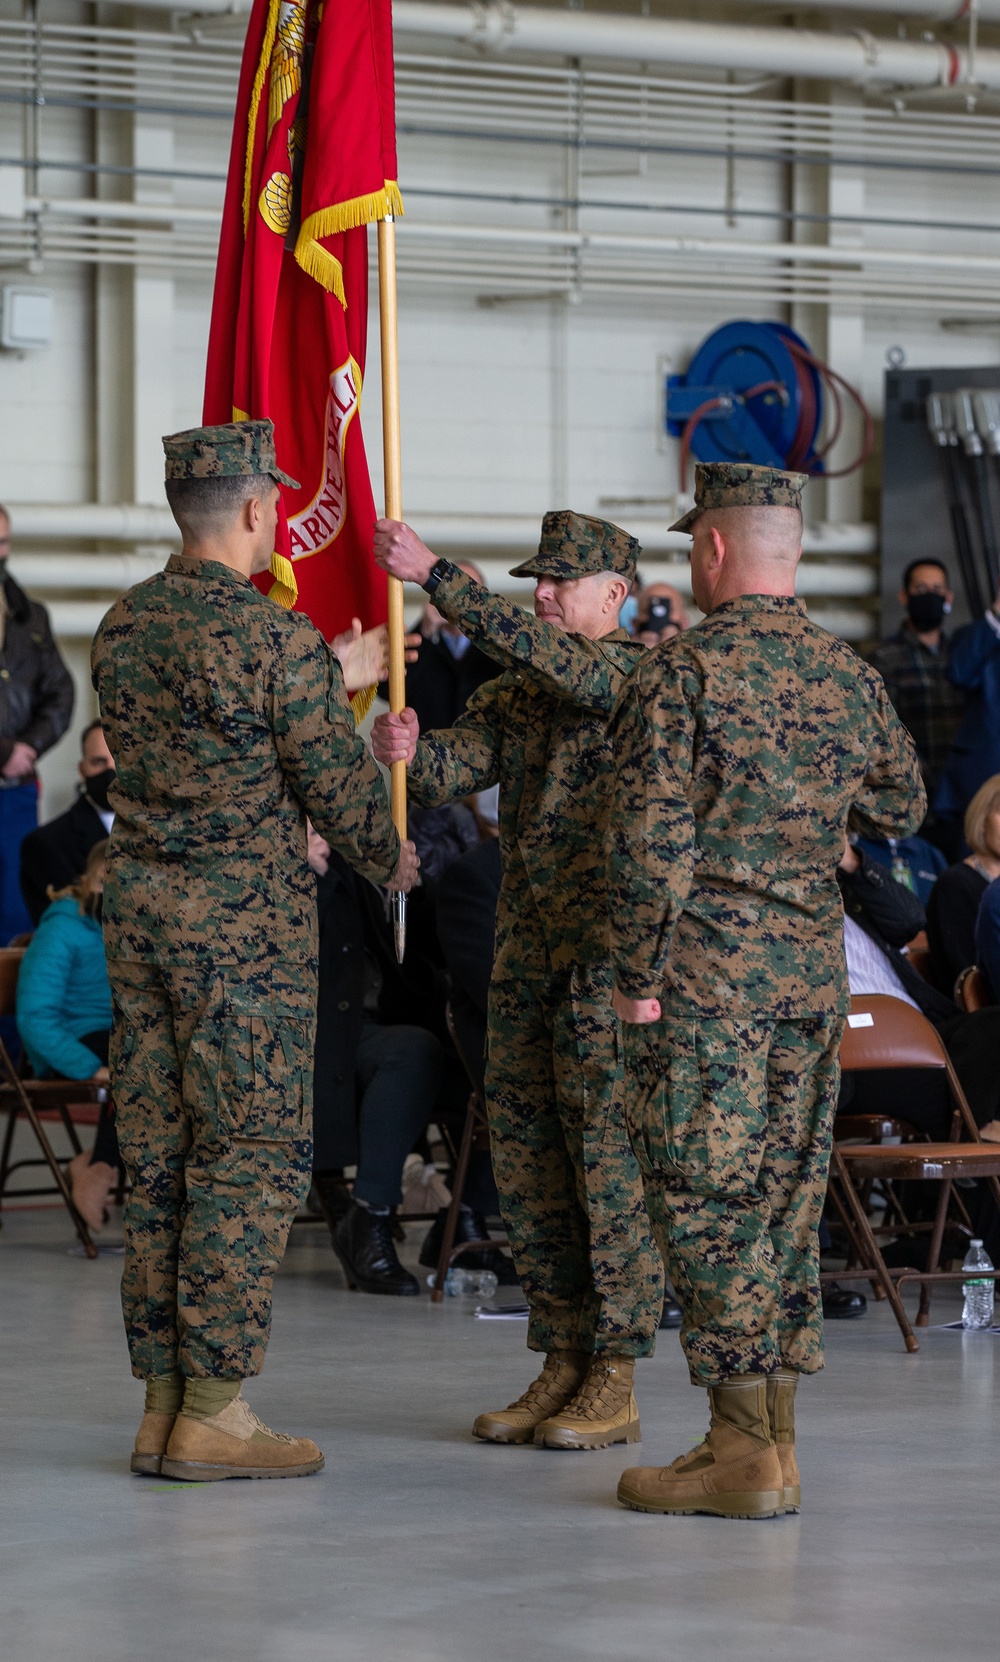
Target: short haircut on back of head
764, 531
95, 726
207, 507
930, 560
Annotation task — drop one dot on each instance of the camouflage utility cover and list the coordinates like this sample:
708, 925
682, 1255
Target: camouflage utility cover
743, 750
539, 730
229, 723
237, 449
741, 485
572, 545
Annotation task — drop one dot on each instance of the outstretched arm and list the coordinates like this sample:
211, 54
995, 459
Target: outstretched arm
652, 831
568, 666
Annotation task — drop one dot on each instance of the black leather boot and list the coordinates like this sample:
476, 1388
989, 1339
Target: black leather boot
363, 1242
471, 1226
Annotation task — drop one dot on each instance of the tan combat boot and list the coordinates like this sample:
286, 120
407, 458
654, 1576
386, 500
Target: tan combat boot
151, 1442
781, 1413
602, 1412
562, 1374
734, 1473
234, 1443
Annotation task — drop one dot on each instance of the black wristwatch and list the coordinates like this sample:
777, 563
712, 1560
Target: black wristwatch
438, 572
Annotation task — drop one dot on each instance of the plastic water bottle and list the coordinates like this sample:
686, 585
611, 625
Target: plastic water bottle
978, 1308
461, 1283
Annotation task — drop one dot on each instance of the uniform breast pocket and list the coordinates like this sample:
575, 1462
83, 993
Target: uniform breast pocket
265, 1065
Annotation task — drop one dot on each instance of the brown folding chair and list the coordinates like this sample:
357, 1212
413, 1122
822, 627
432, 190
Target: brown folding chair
30, 1099
971, 991
474, 1129
884, 1032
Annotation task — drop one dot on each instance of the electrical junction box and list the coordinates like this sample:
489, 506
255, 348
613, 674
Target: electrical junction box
25, 318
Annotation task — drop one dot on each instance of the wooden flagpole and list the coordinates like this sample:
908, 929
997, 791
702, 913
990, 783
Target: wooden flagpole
392, 462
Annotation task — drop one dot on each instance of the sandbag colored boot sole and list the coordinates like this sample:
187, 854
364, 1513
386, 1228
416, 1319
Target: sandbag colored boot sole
754, 1503
192, 1471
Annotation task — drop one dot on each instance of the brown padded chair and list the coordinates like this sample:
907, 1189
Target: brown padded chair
884, 1032
971, 992
30, 1099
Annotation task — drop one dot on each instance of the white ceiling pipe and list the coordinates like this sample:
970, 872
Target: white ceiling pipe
940, 11
518, 534
805, 253
151, 213
489, 533
762, 51
113, 521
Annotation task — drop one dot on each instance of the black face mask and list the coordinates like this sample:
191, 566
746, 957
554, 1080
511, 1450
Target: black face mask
96, 788
926, 611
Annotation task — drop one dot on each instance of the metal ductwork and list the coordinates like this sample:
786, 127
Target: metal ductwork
860, 58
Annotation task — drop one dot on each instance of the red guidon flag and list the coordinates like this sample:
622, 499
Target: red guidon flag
313, 162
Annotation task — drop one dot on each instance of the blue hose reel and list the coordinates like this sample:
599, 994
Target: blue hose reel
753, 393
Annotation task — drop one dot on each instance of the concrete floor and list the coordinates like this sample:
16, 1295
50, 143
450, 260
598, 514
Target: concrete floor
418, 1544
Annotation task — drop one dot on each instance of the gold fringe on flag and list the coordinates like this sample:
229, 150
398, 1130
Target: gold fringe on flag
284, 590
316, 260
263, 65
362, 702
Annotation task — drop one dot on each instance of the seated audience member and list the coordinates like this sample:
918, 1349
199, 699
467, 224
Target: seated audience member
447, 669
955, 898
911, 860
880, 917
660, 615
54, 856
988, 938
64, 1018
974, 668
913, 663
377, 1080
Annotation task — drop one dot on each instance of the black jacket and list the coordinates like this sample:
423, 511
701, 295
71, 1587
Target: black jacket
891, 914
352, 921
56, 853
439, 685
466, 904
36, 688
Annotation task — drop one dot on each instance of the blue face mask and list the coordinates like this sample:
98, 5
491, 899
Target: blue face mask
627, 615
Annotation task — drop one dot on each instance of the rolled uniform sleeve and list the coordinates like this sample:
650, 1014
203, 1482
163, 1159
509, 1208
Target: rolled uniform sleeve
652, 844
566, 666
892, 801
326, 763
456, 761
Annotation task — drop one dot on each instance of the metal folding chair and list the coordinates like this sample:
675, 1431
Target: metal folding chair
29, 1099
884, 1032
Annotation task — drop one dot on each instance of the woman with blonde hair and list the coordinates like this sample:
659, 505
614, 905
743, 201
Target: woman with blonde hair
64, 1017
954, 899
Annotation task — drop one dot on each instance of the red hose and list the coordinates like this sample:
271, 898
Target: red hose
804, 360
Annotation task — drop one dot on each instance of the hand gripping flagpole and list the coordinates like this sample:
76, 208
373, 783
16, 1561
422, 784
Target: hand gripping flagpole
393, 510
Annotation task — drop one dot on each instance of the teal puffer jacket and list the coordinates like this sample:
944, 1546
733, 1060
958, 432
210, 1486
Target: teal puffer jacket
63, 992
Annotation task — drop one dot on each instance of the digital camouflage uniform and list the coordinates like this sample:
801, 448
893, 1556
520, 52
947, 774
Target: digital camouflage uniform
570, 1188
228, 721
743, 749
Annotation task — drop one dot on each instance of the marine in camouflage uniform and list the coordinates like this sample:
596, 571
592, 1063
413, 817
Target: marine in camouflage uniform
569, 1184
229, 723
743, 750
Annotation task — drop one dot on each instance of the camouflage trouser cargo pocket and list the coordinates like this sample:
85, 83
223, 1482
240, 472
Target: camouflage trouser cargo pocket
263, 1062
696, 1101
